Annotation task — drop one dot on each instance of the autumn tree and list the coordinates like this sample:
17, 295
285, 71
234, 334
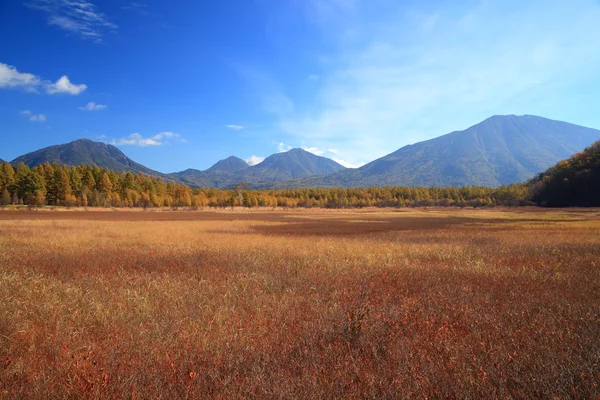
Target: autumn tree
7, 177
62, 186
30, 186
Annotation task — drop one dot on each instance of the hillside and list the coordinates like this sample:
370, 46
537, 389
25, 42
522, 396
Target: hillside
572, 182
229, 165
292, 164
216, 176
498, 151
86, 152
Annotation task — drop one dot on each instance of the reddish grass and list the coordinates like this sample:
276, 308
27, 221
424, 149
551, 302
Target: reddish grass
437, 304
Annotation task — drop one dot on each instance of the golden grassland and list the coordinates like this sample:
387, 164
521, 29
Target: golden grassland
300, 304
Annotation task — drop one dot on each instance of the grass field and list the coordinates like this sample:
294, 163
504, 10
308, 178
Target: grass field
300, 304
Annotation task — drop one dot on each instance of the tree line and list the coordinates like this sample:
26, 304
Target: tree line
82, 186
572, 182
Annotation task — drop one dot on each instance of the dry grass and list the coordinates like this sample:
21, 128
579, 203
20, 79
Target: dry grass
437, 304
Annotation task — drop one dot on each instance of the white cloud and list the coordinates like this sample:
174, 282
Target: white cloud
314, 150
135, 139
348, 164
79, 17
160, 139
333, 155
64, 85
396, 74
282, 147
235, 127
91, 106
253, 160
33, 117
10, 77
169, 135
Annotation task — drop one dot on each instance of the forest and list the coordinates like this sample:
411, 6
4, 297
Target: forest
572, 182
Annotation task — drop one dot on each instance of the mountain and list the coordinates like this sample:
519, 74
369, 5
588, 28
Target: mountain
2, 161
500, 150
85, 151
216, 176
292, 164
228, 165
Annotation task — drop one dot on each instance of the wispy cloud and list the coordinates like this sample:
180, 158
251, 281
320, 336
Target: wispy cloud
271, 94
253, 160
79, 17
396, 73
33, 117
235, 127
64, 85
160, 139
137, 7
91, 106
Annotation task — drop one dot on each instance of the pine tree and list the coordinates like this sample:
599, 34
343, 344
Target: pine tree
88, 180
76, 180
30, 186
105, 185
7, 177
62, 186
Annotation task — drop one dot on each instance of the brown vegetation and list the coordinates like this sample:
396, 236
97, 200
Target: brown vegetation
311, 304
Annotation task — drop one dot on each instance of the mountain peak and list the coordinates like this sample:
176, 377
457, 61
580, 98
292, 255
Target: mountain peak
86, 152
502, 149
229, 164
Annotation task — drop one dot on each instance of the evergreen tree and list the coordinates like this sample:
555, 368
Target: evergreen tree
62, 185
30, 186
7, 177
76, 181
88, 180
105, 185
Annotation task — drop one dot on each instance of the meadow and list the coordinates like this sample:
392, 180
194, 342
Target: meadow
328, 304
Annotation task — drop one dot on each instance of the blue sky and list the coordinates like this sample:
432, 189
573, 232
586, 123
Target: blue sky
183, 86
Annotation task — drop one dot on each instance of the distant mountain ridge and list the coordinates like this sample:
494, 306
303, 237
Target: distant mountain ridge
500, 150
286, 166
293, 164
216, 176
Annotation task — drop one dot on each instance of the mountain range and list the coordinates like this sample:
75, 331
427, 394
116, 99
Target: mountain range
280, 167
500, 150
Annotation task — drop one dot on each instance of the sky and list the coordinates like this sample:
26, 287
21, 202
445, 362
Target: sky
183, 84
